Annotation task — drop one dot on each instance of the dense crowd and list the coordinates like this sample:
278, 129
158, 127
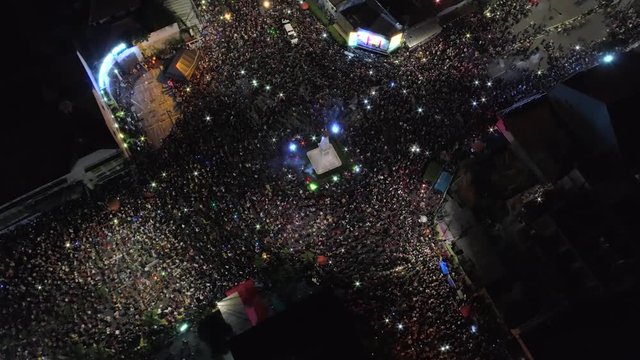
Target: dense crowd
226, 187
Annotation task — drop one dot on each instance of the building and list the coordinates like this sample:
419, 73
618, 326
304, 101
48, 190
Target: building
584, 120
317, 327
372, 27
183, 65
547, 220
384, 25
88, 172
120, 36
422, 19
332, 7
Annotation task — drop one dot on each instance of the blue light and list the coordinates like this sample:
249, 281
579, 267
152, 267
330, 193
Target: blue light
608, 58
293, 147
118, 49
335, 128
107, 64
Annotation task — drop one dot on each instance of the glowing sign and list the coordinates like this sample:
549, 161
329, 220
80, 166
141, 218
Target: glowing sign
107, 64
371, 40
395, 41
353, 39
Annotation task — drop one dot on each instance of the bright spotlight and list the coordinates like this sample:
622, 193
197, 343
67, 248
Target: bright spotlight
335, 128
266, 4
608, 58
293, 147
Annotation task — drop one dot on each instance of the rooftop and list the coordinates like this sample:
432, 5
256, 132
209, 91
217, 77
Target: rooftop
316, 328
370, 16
537, 129
412, 12
610, 83
102, 10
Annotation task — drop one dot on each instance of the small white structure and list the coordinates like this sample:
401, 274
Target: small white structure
324, 158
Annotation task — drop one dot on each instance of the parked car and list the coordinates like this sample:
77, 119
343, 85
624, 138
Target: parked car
291, 34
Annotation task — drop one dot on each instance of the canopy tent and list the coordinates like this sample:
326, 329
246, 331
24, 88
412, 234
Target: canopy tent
255, 310
183, 65
233, 312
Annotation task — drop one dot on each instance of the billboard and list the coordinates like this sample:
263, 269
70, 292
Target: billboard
369, 40
372, 41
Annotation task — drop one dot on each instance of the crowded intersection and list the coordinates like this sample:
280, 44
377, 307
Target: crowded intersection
227, 187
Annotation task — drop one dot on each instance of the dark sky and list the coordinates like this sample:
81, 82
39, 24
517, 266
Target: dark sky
39, 142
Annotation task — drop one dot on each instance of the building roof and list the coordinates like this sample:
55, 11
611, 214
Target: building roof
318, 327
102, 10
536, 127
183, 64
410, 12
422, 32
612, 82
626, 130
616, 85
371, 16
86, 163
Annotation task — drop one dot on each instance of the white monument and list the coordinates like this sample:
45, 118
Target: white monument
324, 158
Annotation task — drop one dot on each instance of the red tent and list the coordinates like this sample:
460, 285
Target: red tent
304, 6
322, 260
253, 306
465, 310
